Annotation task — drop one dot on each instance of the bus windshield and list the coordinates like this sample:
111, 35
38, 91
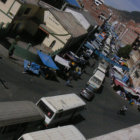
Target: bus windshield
46, 110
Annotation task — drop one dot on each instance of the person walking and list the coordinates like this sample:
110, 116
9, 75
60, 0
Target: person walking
69, 78
123, 110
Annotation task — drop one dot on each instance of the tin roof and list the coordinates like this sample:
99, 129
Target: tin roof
69, 22
19, 112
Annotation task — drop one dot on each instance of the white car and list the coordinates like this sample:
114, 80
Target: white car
104, 53
102, 68
96, 80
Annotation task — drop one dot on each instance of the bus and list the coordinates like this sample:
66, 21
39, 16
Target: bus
130, 133
68, 132
18, 117
61, 108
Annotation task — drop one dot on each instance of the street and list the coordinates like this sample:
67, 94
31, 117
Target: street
100, 116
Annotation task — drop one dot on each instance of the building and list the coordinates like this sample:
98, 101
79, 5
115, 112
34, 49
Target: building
51, 28
100, 13
8, 10
134, 65
83, 16
63, 29
128, 37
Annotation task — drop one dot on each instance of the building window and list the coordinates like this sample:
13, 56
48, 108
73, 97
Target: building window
4, 1
27, 11
52, 44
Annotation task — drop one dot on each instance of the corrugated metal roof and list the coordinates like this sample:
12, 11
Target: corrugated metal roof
65, 102
68, 132
19, 112
69, 22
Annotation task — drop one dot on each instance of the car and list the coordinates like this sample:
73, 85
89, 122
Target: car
96, 80
87, 93
104, 53
103, 62
102, 68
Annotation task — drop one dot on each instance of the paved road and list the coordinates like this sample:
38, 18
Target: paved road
100, 116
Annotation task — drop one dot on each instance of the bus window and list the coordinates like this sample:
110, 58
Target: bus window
48, 112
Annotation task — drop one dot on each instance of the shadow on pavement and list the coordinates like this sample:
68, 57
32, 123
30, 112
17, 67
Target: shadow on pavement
100, 90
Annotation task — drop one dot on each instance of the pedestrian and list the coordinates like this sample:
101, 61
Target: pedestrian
68, 82
123, 110
11, 51
138, 108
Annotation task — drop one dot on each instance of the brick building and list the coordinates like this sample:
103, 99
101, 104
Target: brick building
100, 13
134, 65
128, 36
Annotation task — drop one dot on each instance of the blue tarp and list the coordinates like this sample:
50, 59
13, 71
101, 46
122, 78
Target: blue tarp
73, 2
109, 60
101, 37
89, 46
125, 78
31, 66
47, 60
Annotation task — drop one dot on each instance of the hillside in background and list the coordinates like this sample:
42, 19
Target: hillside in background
125, 16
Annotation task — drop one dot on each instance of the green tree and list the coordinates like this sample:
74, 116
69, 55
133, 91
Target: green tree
125, 51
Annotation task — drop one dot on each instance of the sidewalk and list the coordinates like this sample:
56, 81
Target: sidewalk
15, 59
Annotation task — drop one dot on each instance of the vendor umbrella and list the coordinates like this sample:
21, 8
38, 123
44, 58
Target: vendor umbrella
47, 60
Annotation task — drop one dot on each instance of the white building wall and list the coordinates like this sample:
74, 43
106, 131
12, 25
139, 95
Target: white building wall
81, 19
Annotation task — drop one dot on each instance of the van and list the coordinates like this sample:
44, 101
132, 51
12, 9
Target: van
61, 108
96, 80
102, 68
68, 132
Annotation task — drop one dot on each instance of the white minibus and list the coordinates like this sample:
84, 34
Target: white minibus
68, 132
60, 108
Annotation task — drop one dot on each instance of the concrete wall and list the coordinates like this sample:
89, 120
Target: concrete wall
53, 25
48, 40
23, 20
57, 32
8, 10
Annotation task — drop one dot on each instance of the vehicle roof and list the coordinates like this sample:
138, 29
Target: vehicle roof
101, 67
65, 102
19, 112
68, 132
100, 75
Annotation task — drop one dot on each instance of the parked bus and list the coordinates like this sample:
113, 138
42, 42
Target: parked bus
19, 117
61, 108
130, 133
68, 132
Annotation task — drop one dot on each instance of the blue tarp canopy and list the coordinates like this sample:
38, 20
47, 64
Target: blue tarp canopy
73, 2
101, 37
47, 60
125, 78
31, 66
89, 46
